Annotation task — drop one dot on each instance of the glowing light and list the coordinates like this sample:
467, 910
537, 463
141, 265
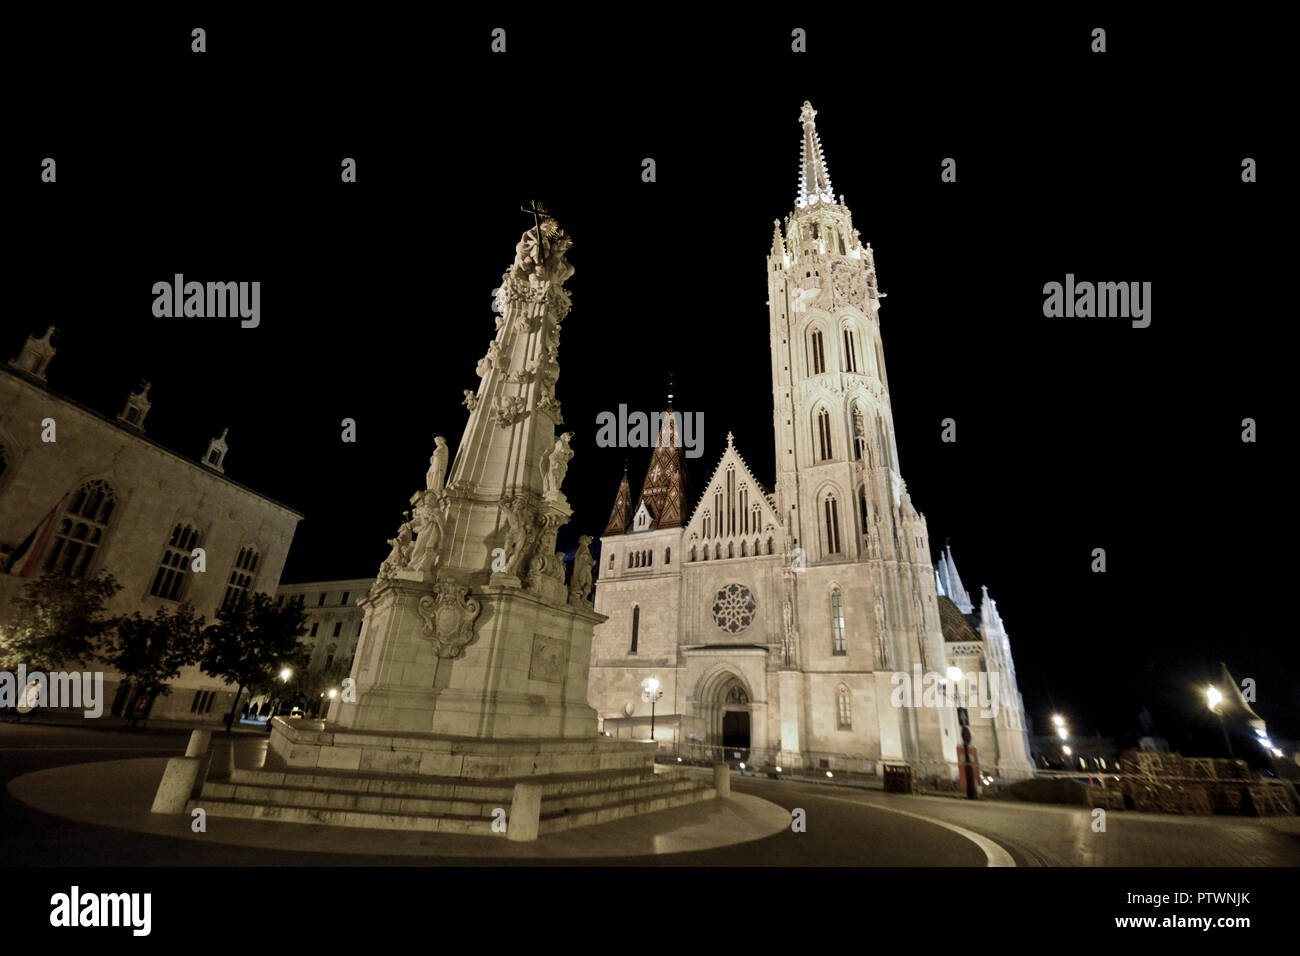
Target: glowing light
333, 693
1067, 751
1213, 696
954, 674
286, 674
742, 765
778, 769
1058, 720
829, 774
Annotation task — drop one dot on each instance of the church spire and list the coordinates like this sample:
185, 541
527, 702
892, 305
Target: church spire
814, 177
621, 516
664, 490
950, 581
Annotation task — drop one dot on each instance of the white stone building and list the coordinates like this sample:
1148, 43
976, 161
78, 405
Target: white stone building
83, 492
333, 617
784, 623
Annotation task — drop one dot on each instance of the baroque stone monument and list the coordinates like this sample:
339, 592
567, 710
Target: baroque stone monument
470, 675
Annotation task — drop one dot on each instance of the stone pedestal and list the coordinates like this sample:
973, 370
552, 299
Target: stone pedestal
521, 673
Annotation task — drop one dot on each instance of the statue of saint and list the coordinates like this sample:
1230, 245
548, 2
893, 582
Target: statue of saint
429, 525
555, 465
518, 534
580, 581
437, 473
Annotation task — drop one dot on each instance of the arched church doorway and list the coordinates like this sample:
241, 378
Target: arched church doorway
735, 719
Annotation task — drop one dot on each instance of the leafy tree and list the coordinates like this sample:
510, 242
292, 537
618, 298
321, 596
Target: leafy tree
250, 641
150, 652
58, 620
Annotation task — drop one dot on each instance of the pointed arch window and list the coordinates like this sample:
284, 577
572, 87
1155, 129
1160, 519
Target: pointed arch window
838, 645
668, 555
831, 513
863, 516
844, 710
636, 626
81, 530
241, 577
824, 446
850, 350
816, 353
169, 582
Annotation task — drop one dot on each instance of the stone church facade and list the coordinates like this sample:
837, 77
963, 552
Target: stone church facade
782, 623
102, 496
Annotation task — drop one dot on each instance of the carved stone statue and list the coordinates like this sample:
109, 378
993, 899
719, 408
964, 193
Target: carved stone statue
555, 465
519, 534
437, 473
471, 400
429, 527
400, 555
580, 581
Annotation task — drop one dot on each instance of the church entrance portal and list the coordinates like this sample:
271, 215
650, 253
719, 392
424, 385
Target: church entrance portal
735, 729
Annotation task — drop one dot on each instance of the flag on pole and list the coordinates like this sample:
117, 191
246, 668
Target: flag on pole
23, 561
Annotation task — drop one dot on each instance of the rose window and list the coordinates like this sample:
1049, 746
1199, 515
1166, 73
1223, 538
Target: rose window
734, 608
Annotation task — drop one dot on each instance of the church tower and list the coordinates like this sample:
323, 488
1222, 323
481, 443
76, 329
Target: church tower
865, 588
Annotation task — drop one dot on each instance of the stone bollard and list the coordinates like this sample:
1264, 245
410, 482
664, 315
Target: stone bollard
525, 812
722, 780
199, 741
177, 784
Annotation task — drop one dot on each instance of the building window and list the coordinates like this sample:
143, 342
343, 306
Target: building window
314, 628
824, 435
169, 581
668, 555
321, 602
241, 577
611, 560
636, 626
832, 510
859, 432
338, 627
80, 532
845, 710
850, 351
817, 354
837, 623
329, 655
344, 599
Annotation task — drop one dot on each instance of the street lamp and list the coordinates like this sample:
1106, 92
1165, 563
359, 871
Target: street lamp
1063, 732
650, 691
1215, 697
963, 720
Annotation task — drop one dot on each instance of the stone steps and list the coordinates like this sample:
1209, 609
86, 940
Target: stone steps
340, 800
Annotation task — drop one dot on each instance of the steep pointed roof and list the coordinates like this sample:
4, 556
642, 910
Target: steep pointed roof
731, 456
814, 177
950, 581
621, 517
664, 489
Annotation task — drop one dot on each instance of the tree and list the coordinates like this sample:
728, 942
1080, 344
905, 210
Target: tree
150, 652
58, 620
250, 641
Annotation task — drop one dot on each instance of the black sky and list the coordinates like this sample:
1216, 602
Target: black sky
376, 297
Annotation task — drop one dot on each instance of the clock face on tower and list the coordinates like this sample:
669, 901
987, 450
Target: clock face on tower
849, 283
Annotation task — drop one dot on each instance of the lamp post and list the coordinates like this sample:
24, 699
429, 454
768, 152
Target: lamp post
963, 720
1215, 697
650, 691
1063, 732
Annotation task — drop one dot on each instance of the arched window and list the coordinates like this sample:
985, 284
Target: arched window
611, 560
649, 558
862, 507
693, 554
330, 651
636, 626
816, 353
824, 446
844, 711
241, 577
850, 350
169, 582
831, 509
769, 545
744, 549
668, 555
80, 532
837, 623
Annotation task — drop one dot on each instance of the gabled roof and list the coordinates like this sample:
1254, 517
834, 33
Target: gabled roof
730, 456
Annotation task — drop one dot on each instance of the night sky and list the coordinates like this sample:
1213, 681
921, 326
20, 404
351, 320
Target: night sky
376, 297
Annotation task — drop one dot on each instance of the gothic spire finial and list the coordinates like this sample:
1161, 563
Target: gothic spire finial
814, 177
